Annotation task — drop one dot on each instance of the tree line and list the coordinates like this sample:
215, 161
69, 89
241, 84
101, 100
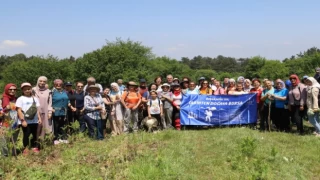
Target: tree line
130, 60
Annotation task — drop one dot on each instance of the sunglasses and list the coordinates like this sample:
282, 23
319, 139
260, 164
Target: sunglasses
12, 89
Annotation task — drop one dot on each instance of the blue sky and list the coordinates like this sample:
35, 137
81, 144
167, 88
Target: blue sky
274, 29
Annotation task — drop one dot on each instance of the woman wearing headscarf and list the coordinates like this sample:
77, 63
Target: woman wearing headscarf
240, 79
45, 98
312, 103
231, 86
116, 120
247, 85
280, 113
9, 109
60, 104
297, 101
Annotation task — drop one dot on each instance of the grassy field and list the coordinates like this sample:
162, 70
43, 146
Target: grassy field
225, 153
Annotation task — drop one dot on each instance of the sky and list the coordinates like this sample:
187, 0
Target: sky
275, 29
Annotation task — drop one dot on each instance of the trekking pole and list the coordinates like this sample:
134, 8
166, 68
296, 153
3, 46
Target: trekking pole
269, 121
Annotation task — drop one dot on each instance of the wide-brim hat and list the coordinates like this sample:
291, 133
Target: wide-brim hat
93, 87
132, 83
165, 84
25, 84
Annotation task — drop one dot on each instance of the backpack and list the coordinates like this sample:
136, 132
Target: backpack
151, 102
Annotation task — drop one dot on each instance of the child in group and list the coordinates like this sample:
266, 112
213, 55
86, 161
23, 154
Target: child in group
155, 108
28, 113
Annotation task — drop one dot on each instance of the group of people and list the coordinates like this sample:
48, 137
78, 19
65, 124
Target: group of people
41, 111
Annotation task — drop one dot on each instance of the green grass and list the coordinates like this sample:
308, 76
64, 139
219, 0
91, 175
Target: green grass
226, 153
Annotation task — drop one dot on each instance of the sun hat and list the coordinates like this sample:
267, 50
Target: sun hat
165, 84
93, 87
25, 84
132, 83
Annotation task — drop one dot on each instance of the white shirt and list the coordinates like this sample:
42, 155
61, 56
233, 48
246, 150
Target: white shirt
25, 103
154, 106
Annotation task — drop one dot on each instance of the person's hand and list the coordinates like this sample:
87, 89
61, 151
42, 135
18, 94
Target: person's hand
135, 107
53, 110
99, 107
24, 123
149, 117
161, 114
8, 107
49, 116
73, 109
301, 108
39, 121
178, 107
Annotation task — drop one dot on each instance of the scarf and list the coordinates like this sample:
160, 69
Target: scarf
6, 97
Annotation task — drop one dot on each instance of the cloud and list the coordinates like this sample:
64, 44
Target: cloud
177, 47
8, 44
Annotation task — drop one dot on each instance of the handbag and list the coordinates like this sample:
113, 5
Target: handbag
31, 112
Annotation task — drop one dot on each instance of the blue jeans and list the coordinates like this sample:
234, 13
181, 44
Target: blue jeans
94, 125
314, 120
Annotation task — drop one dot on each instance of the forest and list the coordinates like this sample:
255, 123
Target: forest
131, 60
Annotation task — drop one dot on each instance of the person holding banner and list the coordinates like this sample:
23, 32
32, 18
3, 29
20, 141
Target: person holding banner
239, 90
205, 89
231, 86
192, 88
219, 90
269, 106
177, 97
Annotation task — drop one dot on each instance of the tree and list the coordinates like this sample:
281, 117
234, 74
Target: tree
273, 70
120, 59
253, 67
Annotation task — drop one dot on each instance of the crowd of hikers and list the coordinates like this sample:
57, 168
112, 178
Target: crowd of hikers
41, 111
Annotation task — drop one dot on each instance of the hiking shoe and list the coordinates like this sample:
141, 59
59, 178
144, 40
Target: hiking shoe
35, 150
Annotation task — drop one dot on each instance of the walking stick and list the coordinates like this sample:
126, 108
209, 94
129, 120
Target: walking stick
269, 121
